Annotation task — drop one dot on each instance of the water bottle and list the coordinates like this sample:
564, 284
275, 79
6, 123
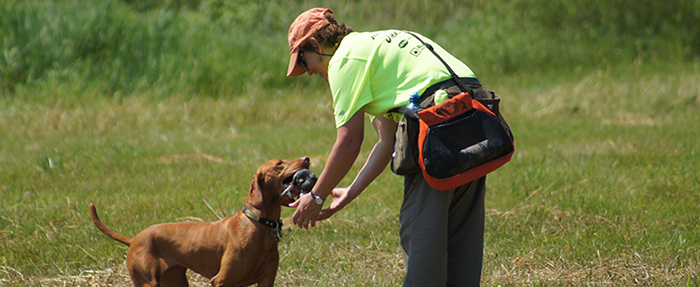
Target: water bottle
414, 102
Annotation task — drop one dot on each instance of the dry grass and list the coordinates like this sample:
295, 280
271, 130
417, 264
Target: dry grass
109, 277
609, 271
520, 271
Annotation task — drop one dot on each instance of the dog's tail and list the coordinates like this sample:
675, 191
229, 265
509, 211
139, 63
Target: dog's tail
112, 234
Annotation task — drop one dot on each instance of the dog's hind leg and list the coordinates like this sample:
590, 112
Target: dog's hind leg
144, 280
144, 270
175, 276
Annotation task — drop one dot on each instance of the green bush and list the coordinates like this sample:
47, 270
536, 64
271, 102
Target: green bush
647, 28
224, 48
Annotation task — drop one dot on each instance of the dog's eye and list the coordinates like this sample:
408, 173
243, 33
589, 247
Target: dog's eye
281, 163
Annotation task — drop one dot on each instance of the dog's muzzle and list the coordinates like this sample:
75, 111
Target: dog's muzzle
303, 181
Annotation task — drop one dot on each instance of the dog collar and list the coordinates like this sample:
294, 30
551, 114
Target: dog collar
275, 225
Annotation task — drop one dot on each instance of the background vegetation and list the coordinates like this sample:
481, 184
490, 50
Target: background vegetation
161, 110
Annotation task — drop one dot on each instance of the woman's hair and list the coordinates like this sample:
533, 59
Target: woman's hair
329, 36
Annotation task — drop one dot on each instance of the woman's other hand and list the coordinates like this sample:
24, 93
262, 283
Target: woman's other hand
341, 198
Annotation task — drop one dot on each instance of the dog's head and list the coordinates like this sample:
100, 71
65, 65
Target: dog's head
282, 181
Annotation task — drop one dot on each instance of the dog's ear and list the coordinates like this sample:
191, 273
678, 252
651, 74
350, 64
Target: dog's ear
255, 197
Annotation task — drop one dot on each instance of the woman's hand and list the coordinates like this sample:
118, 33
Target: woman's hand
341, 198
307, 211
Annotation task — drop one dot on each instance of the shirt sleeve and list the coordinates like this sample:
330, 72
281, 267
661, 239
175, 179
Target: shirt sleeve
349, 80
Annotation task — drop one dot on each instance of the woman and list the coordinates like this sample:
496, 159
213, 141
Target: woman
374, 72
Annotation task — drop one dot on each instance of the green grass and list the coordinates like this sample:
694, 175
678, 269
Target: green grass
603, 188
161, 111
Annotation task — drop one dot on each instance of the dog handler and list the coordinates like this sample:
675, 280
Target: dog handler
373, 72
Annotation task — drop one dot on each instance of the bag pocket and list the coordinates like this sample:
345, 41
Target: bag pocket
464, 142
404, 159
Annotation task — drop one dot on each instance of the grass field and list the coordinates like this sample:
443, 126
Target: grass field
162, 126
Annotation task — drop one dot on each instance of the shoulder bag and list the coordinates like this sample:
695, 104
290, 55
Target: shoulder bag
456, 141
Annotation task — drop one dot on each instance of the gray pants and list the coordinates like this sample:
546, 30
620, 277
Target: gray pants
442, 233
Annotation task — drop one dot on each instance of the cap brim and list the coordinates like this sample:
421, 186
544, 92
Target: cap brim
294, 68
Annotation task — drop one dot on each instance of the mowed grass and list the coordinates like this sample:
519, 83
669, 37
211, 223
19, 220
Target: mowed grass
603, 189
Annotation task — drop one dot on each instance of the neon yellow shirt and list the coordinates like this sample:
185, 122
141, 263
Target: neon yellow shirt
380, 70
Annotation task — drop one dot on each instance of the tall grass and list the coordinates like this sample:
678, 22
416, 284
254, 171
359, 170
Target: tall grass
226, 48
119, 50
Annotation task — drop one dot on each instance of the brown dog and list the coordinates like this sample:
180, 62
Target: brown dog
239, 250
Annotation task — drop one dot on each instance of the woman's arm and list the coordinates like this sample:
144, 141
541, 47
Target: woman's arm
374, 166
343, 154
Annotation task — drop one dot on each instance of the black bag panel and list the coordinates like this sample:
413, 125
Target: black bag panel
464, 142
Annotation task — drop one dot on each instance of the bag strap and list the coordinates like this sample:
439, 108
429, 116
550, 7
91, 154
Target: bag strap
450, 83
459, 83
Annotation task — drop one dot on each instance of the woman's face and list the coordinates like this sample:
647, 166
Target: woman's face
313, 60
315, 63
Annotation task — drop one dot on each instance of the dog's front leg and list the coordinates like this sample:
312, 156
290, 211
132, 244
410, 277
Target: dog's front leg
221, 278
269, 272
267, 281
227, 274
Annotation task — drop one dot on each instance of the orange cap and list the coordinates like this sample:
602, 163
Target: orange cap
303, 28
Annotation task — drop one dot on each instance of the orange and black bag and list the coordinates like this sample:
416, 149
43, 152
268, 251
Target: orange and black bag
457, 141
460, 140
